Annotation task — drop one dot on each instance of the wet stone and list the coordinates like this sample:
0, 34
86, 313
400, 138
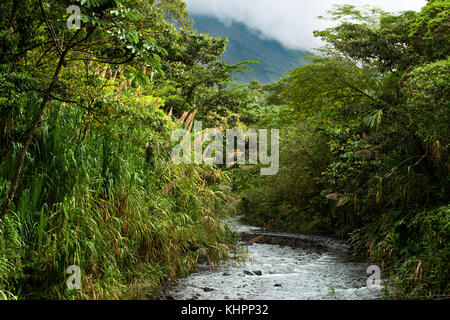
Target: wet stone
296, 266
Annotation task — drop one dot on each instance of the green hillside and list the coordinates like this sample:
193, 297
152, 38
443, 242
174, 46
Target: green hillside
245, 44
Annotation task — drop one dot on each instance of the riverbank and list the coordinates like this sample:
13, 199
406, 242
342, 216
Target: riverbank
281, 266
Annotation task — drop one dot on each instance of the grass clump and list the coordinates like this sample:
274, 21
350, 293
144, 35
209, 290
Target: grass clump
100, 201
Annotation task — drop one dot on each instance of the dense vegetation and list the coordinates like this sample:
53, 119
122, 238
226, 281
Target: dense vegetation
85, 144
364, 152
86, 177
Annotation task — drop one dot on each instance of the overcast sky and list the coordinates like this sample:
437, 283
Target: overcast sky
289, 21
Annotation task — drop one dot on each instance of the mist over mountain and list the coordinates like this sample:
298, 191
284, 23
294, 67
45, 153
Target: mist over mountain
245, 44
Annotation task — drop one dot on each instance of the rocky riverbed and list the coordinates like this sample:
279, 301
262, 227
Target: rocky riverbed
282, 266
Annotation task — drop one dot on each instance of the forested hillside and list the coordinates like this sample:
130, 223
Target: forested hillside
247, 45
86, 138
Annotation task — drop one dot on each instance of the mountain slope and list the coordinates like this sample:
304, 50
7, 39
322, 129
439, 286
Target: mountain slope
245, 44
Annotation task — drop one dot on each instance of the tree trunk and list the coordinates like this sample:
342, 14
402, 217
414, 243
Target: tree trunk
36, 121
14, 15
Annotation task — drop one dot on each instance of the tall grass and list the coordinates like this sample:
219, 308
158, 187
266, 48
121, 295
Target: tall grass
98, 202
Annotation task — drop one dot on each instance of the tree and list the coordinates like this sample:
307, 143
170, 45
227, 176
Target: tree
428, 103
371, 37
193, 65
430, 33
330, 84
112, 34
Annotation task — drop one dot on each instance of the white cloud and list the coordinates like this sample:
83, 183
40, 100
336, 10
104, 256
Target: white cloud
289, 21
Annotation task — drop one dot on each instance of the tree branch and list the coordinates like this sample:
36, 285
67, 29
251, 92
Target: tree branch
50, 28
44, 102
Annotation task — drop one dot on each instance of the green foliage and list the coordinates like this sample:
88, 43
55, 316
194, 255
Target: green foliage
290, 200
414, 249
193, 69
364, 145
85, 128
101, 205
430, 33
428, 102
327, 83
97, 188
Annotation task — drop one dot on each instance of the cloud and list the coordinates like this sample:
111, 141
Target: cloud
289, 21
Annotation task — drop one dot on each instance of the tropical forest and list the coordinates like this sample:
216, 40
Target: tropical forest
93, 94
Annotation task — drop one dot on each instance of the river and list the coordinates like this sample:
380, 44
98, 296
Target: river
282, 266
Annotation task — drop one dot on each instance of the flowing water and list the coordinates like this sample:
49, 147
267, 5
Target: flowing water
320, 270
